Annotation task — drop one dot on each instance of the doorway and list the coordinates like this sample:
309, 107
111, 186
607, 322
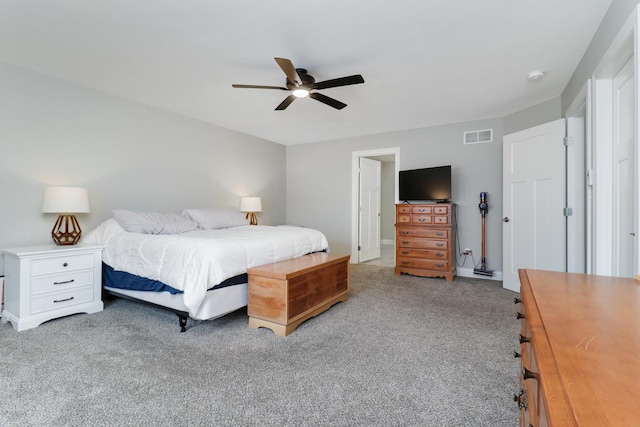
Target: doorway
390, 159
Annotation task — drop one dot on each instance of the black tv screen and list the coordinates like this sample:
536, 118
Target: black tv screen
427, 184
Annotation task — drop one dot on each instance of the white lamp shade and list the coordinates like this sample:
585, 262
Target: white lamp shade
250, 204
65, 200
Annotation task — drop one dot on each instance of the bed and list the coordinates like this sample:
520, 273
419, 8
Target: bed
195, 263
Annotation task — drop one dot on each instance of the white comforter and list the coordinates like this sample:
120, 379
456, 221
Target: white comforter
195, 261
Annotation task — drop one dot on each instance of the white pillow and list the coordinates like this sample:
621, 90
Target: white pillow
153, 222
213, 218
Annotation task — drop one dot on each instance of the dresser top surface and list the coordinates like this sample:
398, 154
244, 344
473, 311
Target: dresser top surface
592, 325
49, 249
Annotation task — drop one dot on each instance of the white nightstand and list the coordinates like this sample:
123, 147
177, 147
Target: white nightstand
46, 282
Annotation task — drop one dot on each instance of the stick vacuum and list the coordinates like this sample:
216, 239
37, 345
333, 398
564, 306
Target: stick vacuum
484, 207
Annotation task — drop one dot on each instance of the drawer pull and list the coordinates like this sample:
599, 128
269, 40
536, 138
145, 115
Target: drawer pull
65, 264
517, 300
520, 316
516, 354
405, 242
520, 400
63, 300
421, 219
439, 254
405, 262
439, 234
439, 245
66, 281
422, 210
405, 252
524, 339
529, 375
404, 233
440, 265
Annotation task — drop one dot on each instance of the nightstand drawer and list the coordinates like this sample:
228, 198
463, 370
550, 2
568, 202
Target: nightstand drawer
61, 264
58, 300
59, 282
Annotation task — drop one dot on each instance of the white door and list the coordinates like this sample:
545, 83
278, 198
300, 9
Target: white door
533, 191
369, 217
624, 141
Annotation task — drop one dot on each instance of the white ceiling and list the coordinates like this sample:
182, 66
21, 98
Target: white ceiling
425, 62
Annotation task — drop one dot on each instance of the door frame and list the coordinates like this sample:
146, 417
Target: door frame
579, 171
625, 45
355, 196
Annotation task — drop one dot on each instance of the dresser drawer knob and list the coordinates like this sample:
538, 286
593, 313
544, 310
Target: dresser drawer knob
405, 262
404, 233
524, 339
520, 316
63, 300
405, 252
64, 282
65, 264
439, 245
517, 300
421, 219
440, 265
520, 400
529, 375
439, 254
439, 234
405, 242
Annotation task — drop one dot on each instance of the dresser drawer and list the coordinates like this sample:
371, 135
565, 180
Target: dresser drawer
61, 264
423, 253
405, 209
418, 243
404, 219
58, 282
432, 233
54, 301
441, 210
422, 219
422, 210
441, 219
423, 263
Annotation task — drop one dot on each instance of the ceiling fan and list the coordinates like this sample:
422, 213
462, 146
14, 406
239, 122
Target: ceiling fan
302, 85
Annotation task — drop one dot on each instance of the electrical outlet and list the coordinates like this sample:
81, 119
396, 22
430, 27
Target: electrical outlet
467, 251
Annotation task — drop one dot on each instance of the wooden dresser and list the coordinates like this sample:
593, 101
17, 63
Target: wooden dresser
580, 350
425, 240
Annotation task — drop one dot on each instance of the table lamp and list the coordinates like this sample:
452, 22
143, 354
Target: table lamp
251, 205
66, 201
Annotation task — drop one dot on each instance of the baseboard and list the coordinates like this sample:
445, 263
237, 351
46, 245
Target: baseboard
468, 272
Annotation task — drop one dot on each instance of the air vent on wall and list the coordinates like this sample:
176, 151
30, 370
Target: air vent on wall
478, 136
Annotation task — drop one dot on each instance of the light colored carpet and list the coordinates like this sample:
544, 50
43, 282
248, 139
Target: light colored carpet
403, 351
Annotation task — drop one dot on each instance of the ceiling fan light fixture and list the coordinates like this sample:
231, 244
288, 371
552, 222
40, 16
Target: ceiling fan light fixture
301, 93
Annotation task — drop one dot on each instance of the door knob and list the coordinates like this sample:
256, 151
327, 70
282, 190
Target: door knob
505, 219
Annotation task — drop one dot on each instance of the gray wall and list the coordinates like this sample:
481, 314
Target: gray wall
319, 180
544, 112
126, 154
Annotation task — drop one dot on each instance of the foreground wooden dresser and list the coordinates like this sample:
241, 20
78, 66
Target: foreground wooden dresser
425, 240
580, 350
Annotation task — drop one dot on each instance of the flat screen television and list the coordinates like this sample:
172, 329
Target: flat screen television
427, 184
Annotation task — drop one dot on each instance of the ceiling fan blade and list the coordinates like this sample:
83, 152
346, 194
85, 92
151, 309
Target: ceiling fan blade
326, 100
341, 81
284, 104
289, 70
258, 87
